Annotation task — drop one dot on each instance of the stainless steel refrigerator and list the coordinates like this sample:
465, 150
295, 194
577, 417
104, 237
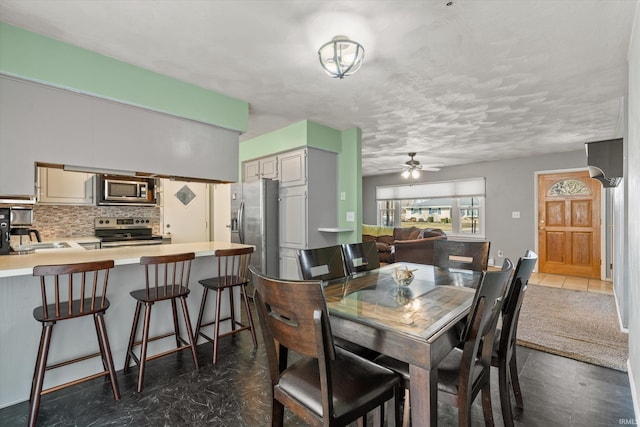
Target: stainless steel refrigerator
254, 221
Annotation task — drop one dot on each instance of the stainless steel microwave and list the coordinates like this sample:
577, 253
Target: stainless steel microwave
119, 190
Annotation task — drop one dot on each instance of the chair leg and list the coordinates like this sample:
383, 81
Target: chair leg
505, 396
106, 355
102, 353
243, 289
486, 405
201, 312
217, 326
406, 415
132, 337
145, 342
515, 380
38, 375
176, 327
192, 340
277, 414
232, 310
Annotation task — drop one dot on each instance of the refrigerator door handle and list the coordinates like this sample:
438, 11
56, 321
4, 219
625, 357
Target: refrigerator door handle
241, 222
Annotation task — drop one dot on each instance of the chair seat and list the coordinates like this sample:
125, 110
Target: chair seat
141, 294
223, 282
355, 381
38, 312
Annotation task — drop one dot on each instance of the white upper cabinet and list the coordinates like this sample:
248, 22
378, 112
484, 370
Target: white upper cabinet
293, 168
57, 186
266, 167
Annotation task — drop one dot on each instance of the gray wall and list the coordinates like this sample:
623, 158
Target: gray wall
510, 187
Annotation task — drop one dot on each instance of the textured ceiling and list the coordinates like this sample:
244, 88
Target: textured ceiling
474, 81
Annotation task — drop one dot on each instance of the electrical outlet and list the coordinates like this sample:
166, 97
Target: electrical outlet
500, 254
515, 214
351, 216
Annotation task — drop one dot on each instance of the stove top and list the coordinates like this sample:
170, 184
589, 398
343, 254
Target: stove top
125, 230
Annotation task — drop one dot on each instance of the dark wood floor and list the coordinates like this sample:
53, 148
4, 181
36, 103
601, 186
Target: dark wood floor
557, 392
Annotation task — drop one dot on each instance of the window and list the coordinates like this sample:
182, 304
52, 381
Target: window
456, 207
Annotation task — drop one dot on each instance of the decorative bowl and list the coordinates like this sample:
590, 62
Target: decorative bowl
403, 276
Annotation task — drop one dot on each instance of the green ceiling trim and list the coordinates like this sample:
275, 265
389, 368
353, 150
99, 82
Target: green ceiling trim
34, 57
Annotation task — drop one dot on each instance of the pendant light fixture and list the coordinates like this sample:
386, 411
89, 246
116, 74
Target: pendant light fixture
341, 56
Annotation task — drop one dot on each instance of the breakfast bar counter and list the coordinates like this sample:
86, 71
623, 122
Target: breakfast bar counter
20, 294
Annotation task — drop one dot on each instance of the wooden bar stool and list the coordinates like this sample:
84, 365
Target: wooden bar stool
233, 271
60, 283
167, 278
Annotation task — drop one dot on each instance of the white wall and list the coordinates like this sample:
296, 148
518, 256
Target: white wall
632, 183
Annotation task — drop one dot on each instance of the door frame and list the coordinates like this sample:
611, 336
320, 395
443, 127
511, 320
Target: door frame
603, 236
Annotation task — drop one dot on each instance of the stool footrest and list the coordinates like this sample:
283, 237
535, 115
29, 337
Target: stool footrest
75, 382
69, 362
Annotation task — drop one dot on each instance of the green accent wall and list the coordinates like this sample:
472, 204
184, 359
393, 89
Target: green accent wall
348, 145
30, 56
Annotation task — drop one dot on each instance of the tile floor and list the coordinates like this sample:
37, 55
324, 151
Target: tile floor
570, 282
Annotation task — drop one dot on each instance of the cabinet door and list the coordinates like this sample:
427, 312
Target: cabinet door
289, 269
251, 171
58, 186
293, 217
269, 167
293, 168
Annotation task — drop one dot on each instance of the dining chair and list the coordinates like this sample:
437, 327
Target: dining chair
360, 257
504, 348
70, 291
463, 255
466, 371
166, 279
328, 263
325, 385
322, 263
233, 272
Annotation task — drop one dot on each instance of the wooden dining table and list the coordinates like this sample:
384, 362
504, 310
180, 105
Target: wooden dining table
415, 324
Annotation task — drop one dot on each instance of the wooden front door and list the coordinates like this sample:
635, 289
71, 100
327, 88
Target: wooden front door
569, 224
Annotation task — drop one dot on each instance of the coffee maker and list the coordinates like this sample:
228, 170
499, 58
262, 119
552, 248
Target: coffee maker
21, 221
5, 228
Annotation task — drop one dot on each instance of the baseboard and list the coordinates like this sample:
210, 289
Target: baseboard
623, 329
634, 396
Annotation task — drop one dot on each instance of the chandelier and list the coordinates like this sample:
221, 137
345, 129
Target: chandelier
341, 56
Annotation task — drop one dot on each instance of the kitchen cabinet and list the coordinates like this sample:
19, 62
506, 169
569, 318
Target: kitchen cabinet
60, 187
293, 168
266, 167
308, 202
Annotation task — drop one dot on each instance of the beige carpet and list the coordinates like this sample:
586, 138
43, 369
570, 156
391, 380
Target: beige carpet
578, 325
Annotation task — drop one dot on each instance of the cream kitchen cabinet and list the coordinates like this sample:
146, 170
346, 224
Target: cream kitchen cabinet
266, 167
60, 187
293, 168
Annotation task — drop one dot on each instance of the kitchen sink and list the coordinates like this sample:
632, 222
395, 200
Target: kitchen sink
54, 245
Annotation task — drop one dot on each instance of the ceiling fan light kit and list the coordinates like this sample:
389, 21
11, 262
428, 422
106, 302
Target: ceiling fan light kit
341, 56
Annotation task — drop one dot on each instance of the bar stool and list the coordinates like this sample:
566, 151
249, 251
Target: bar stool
57, 281
233, 271
167, 278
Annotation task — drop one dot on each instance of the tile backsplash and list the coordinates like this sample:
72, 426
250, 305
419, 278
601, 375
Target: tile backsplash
54, 221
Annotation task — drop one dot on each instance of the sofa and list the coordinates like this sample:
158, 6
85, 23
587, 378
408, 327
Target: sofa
415, 244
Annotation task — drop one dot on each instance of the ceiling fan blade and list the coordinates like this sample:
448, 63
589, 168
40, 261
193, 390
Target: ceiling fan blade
430, 169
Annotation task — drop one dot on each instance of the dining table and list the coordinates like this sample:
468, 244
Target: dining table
417, 323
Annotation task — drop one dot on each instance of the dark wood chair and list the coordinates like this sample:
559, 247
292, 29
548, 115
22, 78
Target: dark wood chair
326, 386
322, 263
233, 272
466, 371
360, 257
463, 255
167, 279
504, 349
76, 290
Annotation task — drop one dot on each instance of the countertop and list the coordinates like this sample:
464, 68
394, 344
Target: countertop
22, 265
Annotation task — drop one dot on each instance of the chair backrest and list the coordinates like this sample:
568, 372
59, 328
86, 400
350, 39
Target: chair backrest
483, 319
513, 301
63, 284
463, 255
167, 274
322, 263
360, 256
233, 265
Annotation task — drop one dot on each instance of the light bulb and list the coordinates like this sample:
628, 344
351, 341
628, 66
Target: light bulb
415, 174
405, 174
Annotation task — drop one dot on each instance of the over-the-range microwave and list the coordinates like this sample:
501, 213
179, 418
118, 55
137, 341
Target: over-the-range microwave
125, 190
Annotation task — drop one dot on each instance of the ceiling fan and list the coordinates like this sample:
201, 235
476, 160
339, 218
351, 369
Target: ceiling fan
413, 167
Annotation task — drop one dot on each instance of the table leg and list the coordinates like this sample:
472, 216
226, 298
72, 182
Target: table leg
423, 393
